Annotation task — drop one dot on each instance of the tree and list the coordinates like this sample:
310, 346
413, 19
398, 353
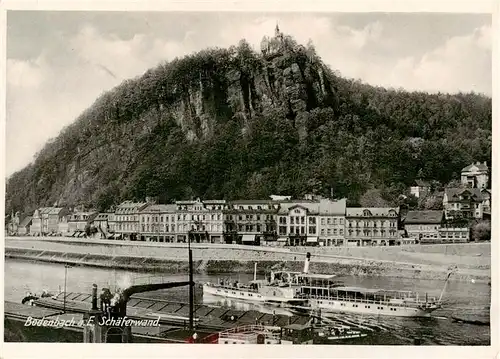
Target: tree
481, 231
373, 198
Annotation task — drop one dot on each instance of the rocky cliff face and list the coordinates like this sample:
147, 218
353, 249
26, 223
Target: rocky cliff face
195, 93
235, 123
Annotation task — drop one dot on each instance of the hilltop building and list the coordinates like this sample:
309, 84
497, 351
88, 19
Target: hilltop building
475, 175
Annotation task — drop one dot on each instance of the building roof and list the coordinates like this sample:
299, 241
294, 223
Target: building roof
102, 216
422, 183
310, 206
423, 217
480, 166
371, 211
454, 193
251, 201
26, 221
160, 208
327, 206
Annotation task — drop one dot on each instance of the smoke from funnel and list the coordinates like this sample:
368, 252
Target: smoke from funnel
306, 263
124, 282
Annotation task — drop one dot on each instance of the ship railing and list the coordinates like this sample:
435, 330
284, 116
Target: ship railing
230, 287
246, 332
405, 302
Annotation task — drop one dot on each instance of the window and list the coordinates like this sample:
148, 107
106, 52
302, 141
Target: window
322, 221
329, 220
322, 231
312, 220
335, 231
258, 217
282, 220
329, 231
292, 229
282, 230
292, 220
296, 211
302, 230
312, 230
258, 227
259, 207
250, 207
341, 232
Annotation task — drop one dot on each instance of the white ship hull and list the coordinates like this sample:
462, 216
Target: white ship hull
338, 306
243, 294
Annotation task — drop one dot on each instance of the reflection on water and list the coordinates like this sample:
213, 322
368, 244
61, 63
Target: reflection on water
22, 276
245, 305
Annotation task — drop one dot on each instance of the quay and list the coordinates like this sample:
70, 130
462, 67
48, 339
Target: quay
16, 316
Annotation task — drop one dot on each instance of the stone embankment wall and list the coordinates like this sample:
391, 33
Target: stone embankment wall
419, 262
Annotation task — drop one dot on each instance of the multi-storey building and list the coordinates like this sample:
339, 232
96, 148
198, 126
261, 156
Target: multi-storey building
158, 223
62, 226
371, 226
420, 188
466, 201
298, 223
24, 226
451, 235
203, 220
331, 217
126, 220
250, 221
79, 221
475, 175
101, 223
423, 225
46, 219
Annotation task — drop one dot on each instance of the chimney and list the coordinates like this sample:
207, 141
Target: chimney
306, 263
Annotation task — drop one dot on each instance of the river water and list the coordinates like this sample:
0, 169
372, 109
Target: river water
23, 276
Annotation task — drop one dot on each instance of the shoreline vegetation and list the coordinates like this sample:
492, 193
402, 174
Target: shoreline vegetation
416, 262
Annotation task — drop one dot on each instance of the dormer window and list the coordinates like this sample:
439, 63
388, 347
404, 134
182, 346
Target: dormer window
366, 213
250, 207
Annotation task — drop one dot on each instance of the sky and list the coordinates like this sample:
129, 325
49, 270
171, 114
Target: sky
58, 63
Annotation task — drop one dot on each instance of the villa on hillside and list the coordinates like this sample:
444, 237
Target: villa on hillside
475, 175
468, 202
420, 189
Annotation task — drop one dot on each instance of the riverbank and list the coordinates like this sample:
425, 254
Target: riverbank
418, 262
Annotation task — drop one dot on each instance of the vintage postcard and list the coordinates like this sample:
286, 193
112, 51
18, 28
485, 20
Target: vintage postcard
191, 176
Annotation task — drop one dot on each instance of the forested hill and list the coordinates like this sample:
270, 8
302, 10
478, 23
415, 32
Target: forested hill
236, 123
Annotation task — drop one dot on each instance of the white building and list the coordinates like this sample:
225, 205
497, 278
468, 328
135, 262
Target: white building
203, 219
158, 223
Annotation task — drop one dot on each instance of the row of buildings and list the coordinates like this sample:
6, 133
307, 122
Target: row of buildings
275, 221
287, 222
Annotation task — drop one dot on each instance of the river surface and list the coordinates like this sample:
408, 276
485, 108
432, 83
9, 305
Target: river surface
23, 276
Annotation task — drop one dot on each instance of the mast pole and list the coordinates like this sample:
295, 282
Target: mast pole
191, 284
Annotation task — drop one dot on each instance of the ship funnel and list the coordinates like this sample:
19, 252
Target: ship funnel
306, 263
94, 297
